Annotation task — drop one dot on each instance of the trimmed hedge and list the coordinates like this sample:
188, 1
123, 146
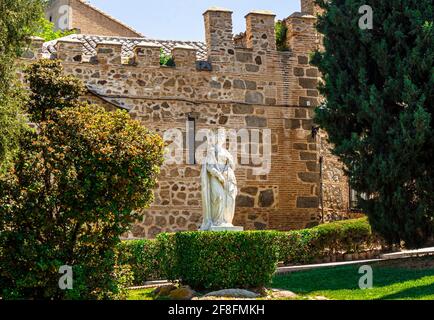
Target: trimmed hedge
348, 236
215, 260
143, 257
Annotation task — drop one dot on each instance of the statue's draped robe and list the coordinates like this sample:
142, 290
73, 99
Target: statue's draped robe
218, 198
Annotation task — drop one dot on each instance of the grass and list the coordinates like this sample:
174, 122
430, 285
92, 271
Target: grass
142, 294
411, 279
397, 280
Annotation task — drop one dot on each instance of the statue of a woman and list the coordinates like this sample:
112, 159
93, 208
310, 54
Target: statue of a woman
219, 188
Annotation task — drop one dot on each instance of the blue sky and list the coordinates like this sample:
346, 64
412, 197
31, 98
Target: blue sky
182, 19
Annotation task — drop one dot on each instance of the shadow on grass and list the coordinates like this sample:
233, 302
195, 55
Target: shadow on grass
419, 292
347, 278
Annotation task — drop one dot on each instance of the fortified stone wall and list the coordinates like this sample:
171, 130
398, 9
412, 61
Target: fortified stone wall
250, 87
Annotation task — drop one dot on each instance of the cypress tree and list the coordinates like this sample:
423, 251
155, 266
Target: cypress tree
379, 92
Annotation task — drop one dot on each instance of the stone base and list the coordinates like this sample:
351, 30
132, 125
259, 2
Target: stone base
230, 229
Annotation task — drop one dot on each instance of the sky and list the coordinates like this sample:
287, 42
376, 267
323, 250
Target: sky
182, 19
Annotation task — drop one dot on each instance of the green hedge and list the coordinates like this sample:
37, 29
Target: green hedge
348, 236
213, 260
143, 257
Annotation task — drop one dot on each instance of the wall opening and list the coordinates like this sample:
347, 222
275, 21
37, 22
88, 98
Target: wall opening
191, 141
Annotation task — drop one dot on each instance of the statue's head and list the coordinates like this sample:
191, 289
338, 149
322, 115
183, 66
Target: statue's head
220, 138
216, 137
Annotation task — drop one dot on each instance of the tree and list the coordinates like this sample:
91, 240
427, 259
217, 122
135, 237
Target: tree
46, 30
18, 20
76, 186
379, 90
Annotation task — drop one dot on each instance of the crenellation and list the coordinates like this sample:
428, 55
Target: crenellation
146, 54
185, 57
33, 50
309, 7
302, 36
219, 36
109, 53
260, 34
69, 50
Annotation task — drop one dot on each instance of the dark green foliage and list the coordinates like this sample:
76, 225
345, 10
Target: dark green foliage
249, 258
281, 31
215, 260
50, 89
166, 59
143, 257
304, 246
75, 187
17, 20
379, 86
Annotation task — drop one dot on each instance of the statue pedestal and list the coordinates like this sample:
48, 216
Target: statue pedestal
229, 229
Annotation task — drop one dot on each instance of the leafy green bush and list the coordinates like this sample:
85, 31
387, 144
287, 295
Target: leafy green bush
48, 32
76, 185
244, 259
297, 247
143, 258
215, 260
166, 59
339, 237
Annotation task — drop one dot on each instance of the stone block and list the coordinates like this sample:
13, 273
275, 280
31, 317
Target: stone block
307, 202
256, 122
254, 97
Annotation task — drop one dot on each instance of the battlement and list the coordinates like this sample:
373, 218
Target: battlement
243, 69
243, 83
251, 54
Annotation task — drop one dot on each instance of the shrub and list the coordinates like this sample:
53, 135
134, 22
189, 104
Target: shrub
339, 237
297, 247
215, 260
166, 59
143, 258
245, 259
48, 32
75, 187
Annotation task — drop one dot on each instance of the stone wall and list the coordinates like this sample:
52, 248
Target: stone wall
335, 186
251, 86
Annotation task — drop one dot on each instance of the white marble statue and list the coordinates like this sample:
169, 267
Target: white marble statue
219, 188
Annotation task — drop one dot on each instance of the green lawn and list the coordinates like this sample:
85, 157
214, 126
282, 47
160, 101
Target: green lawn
411, 279
398, 280
142, 294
